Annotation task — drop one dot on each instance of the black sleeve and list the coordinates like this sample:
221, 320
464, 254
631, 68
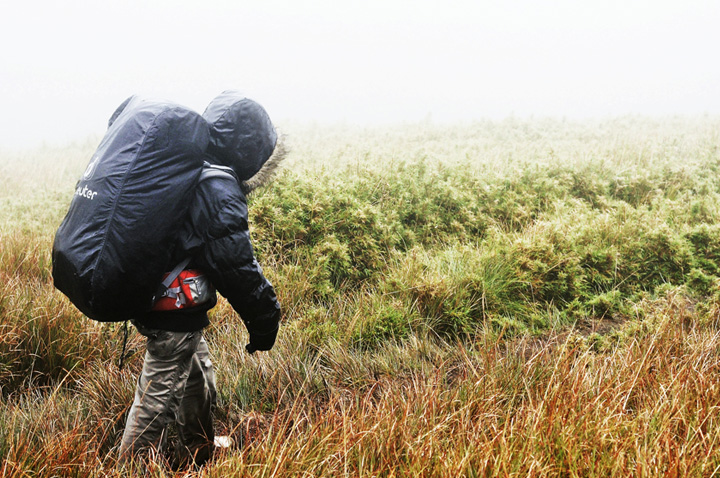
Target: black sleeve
230, 263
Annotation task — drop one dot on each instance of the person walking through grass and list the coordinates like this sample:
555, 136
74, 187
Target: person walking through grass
177, 382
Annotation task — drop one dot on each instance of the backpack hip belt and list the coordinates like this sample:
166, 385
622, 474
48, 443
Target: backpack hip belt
182, 289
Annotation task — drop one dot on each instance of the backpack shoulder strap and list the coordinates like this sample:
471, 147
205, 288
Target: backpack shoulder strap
215, 171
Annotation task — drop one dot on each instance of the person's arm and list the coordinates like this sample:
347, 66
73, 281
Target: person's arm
232, 268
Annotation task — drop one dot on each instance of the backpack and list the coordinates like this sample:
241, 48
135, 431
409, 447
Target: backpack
115, 242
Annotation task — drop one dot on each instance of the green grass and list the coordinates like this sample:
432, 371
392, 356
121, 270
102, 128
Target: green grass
514, 298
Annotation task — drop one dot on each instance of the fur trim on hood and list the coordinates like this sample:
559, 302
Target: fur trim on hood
268, 170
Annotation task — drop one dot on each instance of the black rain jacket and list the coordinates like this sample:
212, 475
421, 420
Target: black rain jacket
217, 238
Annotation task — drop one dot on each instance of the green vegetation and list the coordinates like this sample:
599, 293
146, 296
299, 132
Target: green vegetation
515, 298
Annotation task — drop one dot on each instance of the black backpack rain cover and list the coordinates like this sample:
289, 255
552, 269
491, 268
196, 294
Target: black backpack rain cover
115, 242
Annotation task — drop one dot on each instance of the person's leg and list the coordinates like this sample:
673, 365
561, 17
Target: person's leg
195, 417
159, 390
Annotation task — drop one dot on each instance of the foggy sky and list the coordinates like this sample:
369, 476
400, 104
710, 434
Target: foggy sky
65, 66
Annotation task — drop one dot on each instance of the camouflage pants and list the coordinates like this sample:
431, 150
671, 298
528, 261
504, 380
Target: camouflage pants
177, 385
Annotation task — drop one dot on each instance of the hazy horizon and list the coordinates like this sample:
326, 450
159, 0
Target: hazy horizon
66, 66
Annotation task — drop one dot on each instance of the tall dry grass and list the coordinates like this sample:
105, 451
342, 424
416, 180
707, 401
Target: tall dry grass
517, 298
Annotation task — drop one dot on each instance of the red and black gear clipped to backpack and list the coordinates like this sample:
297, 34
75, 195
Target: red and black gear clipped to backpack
114, 245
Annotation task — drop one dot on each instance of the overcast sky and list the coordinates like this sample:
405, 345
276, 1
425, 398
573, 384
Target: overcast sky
66, 65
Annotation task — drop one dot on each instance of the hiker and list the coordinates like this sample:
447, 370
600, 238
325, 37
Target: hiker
177, 383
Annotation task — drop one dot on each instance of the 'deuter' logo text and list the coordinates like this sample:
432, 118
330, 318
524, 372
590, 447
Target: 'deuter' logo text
85, 193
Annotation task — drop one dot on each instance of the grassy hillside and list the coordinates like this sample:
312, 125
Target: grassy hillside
515, 298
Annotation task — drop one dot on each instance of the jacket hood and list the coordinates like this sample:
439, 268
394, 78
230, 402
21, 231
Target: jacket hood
241, 133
